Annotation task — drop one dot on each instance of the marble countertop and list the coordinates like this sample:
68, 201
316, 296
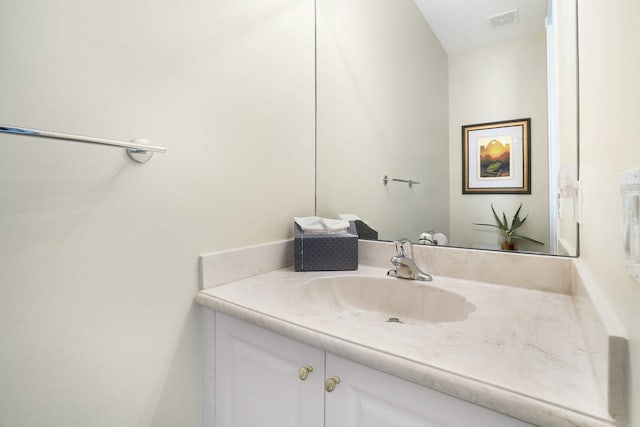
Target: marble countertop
521, 352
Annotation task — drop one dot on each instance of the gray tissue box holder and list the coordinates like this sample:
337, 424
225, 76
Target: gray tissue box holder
326, 252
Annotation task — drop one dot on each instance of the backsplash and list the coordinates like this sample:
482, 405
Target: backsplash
545, 273
217, 268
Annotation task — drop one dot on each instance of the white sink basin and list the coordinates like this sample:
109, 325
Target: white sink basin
387, 299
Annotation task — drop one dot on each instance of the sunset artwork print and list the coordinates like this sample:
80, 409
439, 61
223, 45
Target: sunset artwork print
494, 157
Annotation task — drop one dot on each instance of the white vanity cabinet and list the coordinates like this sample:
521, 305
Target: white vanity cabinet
257, 378
368, 397
258, 384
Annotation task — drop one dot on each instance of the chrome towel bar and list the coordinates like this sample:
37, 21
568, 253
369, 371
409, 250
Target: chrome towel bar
386, 179
137, 149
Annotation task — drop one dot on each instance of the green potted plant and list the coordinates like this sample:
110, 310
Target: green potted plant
509, 230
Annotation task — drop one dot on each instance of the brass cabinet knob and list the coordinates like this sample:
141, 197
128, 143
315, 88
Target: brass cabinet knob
331, 383
303, 373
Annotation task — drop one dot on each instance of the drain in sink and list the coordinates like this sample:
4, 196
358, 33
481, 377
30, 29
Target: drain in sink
394, 320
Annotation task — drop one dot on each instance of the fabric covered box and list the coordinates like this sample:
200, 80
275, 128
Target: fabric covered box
325, 252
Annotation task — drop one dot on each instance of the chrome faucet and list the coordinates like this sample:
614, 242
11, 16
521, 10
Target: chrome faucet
406, 267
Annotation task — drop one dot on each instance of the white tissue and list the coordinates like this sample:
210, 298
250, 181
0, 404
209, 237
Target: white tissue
441, 238
335, 225
316, 224
350, 217
353, 217
310, 223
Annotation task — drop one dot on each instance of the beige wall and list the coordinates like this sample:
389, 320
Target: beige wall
564, 66
98, 255
609, 112
495, 83
382, 109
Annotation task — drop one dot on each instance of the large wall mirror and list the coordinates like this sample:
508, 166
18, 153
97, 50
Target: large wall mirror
397, 80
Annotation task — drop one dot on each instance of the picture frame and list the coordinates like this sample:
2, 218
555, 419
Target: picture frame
496, 157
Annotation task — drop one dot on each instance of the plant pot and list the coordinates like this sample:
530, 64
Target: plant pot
513, 246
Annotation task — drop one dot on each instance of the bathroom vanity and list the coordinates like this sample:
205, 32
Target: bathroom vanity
259, 381
359, 348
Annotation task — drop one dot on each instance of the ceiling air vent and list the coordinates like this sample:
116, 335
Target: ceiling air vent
504, 19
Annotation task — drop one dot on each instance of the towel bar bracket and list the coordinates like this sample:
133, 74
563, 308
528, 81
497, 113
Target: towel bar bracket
137, 154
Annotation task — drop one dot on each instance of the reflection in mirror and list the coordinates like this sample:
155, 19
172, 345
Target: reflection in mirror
396, 82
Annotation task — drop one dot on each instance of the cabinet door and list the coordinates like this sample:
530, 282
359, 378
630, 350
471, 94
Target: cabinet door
367, 397
257, 378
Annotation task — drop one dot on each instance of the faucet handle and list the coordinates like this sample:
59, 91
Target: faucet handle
404, 248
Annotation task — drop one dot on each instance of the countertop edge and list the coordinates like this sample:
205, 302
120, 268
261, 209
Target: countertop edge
483, 394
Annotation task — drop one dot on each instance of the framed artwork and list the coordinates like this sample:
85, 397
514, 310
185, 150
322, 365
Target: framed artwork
496, 157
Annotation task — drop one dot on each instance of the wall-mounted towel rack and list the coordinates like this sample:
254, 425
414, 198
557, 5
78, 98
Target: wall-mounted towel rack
137, 149
386, 179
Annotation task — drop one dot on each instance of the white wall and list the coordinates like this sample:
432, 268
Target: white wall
500, 82
609, 112
98, 255
382, 109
